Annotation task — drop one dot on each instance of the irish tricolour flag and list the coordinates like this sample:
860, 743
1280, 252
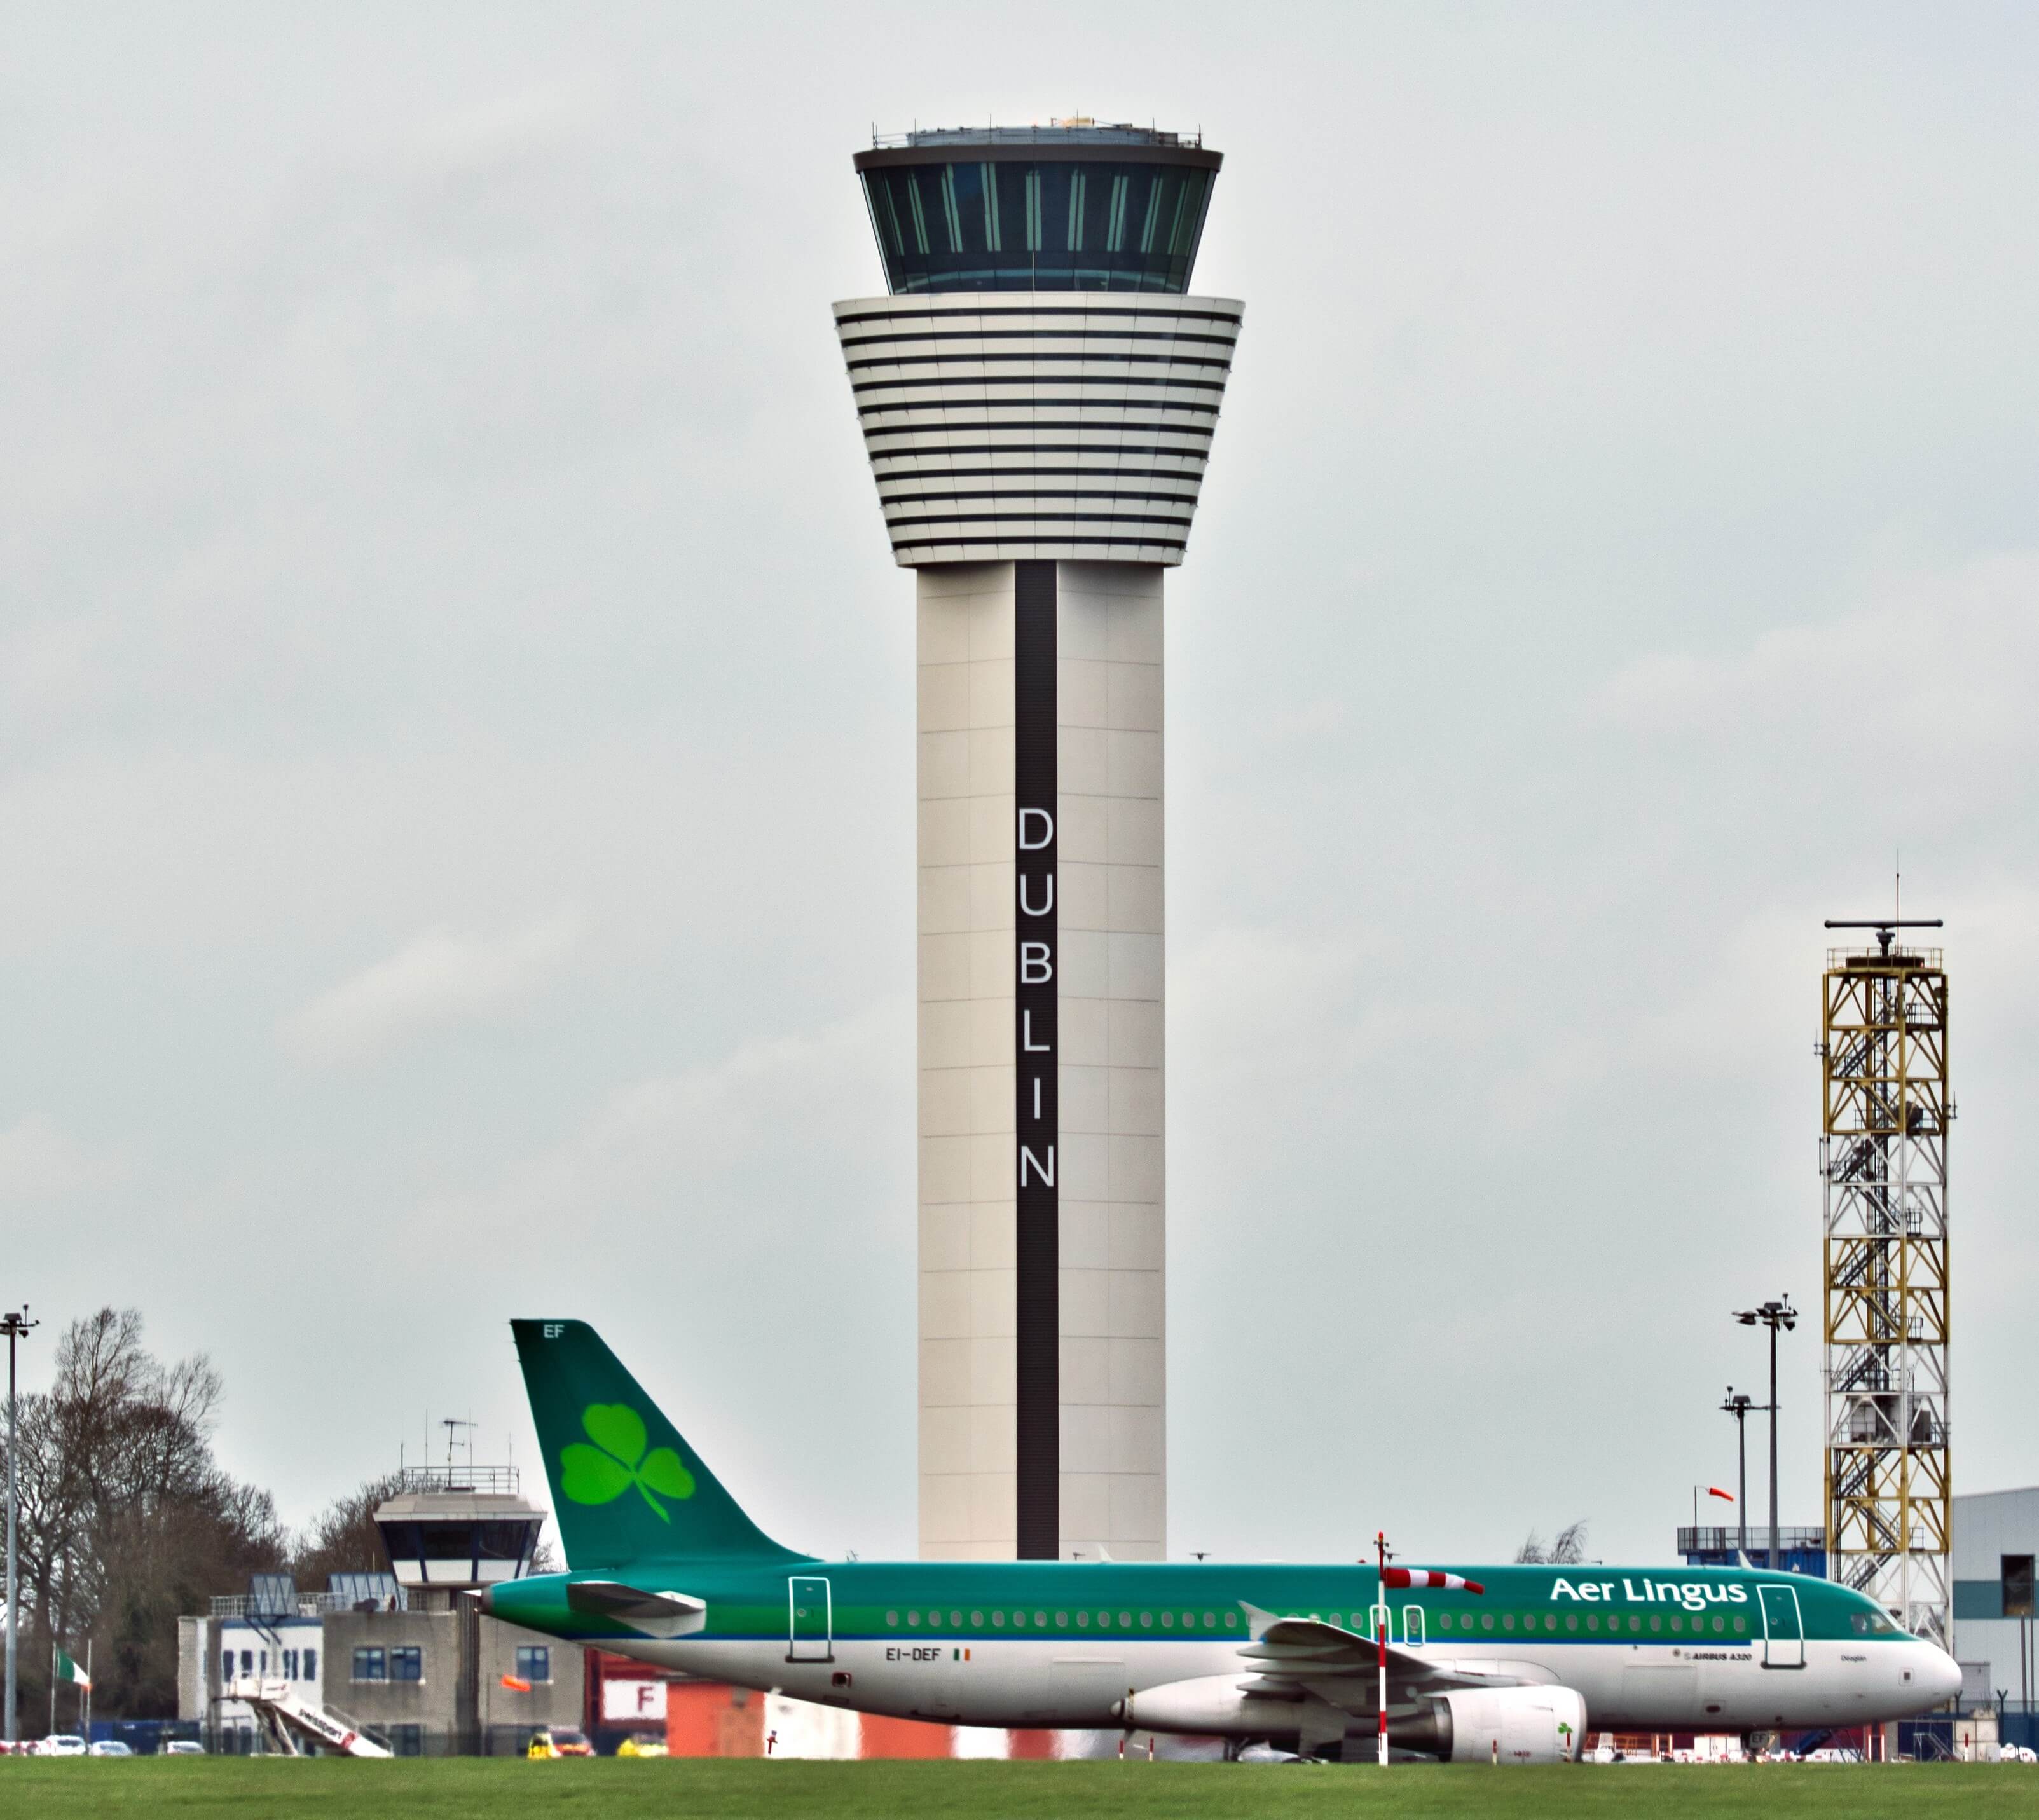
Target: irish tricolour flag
66, 1669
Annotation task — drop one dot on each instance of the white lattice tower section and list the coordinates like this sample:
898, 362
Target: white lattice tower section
1884, 1158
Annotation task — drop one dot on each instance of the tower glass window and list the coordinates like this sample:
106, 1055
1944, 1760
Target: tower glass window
1049, 208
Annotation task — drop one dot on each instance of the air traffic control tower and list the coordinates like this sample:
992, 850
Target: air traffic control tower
1037, 390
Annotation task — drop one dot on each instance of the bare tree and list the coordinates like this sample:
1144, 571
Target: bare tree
127, 1518
1568, 1550
342, 1538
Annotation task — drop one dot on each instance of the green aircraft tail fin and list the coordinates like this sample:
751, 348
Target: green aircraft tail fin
625, 1486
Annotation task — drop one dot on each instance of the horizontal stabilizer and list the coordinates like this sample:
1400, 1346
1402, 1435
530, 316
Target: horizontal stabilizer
659, 1614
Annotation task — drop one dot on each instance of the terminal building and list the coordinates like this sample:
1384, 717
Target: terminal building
1038, 389
402, 1655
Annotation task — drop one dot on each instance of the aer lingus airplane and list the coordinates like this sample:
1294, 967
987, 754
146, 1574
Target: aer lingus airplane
1511, 1662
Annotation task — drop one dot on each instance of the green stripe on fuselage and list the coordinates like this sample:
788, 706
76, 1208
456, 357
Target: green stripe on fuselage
968, 1602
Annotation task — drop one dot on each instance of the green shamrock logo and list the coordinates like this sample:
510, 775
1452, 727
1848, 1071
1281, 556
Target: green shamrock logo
603, 1474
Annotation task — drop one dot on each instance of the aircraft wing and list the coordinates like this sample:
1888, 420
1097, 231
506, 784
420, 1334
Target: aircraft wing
1293, 1656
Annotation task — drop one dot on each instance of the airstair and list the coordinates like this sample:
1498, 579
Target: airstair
295, 1726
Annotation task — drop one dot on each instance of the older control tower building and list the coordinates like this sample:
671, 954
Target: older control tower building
1037, 390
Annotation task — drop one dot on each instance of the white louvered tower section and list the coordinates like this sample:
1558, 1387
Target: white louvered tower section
1068, 426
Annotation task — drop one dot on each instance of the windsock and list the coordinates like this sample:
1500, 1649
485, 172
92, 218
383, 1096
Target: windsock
1423, 1577
1715, 1491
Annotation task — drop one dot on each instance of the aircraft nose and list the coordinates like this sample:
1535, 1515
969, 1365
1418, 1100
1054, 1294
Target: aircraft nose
1943, 1675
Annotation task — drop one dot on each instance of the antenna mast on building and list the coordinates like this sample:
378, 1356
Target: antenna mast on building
1886, 1107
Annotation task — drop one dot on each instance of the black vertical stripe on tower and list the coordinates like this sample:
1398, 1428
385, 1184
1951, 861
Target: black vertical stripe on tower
1035, 992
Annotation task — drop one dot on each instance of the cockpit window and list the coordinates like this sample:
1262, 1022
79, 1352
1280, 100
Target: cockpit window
1872, 1623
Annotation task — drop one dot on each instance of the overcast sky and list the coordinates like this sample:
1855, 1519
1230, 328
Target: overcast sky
457, 708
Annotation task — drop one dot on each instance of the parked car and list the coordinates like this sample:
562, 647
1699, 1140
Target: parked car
183, 1747
560, 1741
62, 1744
112, 1747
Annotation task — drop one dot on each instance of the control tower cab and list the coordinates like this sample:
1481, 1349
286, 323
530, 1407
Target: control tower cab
458, 1528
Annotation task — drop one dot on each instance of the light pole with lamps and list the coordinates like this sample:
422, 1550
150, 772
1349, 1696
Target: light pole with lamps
1772, 1315
15, 1325
1738, 1405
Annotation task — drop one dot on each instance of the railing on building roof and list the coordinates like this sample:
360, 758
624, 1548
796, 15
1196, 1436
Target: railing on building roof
1056, 133
302, 1605
1712, 1539
496, 1481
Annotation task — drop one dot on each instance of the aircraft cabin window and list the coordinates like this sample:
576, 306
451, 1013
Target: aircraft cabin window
1677, 1623
1146, 1621
1210, 1623
1412, 1624
1508, 1621
1487, 1620
955, 1618
1232, 1620
892, 1618
1592, 1621
1741, 1625
998, 1620
976, 1618
1168, 1620
1125, 1621
1040, 1620
913, 1619
1571, 1621
1062, 1620
1083, 1621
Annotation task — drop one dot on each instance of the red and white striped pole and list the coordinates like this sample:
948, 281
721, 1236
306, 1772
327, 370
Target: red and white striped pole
1380, 1634
1399, 1578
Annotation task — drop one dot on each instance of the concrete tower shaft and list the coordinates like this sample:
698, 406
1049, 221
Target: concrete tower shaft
1038, 395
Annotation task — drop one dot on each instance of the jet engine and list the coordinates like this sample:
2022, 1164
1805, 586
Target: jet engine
1486, 1724
1215, 1704
1468, 1725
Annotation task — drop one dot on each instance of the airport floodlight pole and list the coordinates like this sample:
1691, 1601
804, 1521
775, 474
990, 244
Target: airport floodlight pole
1772, 1315
15, 1325
1738, 1405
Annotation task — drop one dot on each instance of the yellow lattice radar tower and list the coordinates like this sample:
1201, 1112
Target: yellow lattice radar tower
1883, 1154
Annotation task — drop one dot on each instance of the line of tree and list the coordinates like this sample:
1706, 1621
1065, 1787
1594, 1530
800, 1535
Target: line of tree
1569, 1547
128, 1521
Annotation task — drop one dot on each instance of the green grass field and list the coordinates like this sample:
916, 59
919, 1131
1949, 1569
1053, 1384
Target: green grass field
329, 1788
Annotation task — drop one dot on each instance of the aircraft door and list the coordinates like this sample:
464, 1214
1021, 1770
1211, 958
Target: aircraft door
1783, 1630
811, 1631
